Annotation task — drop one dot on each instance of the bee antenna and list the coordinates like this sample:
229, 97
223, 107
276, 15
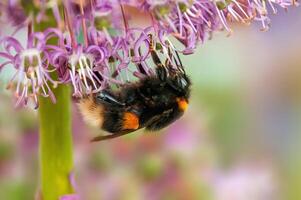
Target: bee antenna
178, 58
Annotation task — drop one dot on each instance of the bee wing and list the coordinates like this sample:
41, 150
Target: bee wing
162, 120
111, 136
108, 98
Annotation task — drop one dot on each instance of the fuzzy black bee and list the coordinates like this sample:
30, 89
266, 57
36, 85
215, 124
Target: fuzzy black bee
151, 103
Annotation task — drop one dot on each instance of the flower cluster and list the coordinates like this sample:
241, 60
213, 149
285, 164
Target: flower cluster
90, 44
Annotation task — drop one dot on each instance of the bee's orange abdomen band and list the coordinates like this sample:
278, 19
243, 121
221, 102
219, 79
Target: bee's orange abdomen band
130, 121
182, 103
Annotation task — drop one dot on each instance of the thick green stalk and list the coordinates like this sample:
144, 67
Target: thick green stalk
56, 158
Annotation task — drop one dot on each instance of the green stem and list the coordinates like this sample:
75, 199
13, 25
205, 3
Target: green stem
56, 158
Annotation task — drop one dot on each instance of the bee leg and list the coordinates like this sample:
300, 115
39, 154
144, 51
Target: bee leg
153, 52
162, 73
107, 98
161, 69
141, 68
167, 63
139, 65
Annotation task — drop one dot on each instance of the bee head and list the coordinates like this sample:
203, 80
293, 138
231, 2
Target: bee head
180, 84
171, 74
175, 80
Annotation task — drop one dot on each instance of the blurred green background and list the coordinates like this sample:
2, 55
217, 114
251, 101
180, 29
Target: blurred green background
239, 140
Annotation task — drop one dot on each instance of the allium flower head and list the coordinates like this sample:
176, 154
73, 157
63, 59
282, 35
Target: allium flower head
83, 78
92, 45
32, 73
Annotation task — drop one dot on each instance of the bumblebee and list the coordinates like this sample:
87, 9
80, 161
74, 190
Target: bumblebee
151, 103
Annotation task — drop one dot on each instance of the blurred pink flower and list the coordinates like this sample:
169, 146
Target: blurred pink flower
70, 197
181, 138
244, 182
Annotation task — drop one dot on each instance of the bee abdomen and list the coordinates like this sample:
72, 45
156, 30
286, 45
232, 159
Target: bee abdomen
91, 111
119, 121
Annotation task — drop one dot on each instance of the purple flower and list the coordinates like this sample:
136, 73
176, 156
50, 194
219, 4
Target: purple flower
32, 68
75, 65
194, 21
83, 77
112, 51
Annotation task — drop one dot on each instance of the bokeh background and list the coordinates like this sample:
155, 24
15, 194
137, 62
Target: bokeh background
239, 140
